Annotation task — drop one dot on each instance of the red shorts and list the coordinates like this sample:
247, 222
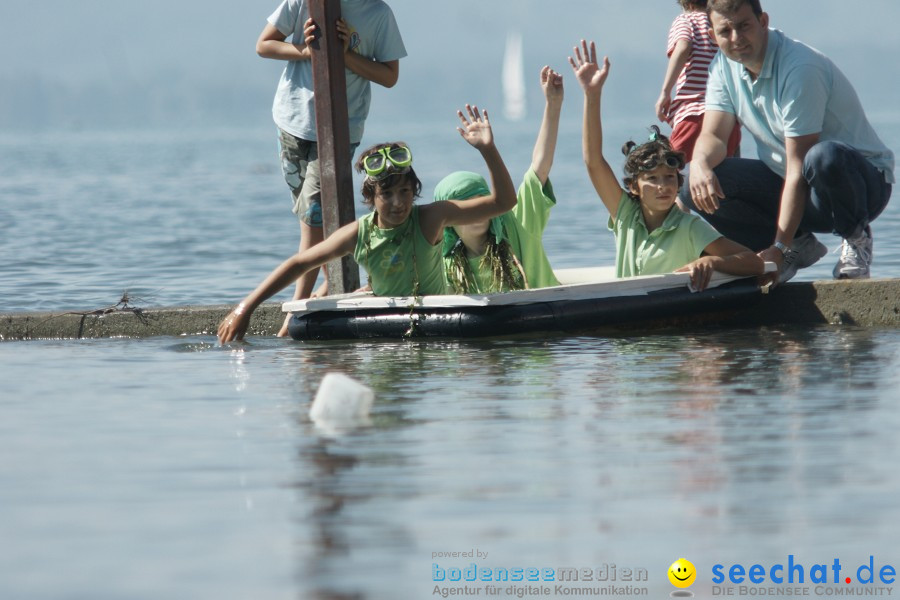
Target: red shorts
685, 134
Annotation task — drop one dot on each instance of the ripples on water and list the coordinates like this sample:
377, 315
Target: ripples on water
177, 466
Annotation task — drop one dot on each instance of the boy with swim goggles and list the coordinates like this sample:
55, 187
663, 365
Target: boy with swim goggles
387, 161
398, 243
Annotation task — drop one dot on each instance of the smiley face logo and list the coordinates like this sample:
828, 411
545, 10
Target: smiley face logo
682, 573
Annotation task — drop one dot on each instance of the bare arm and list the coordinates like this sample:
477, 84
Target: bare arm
677, 60
592, 77
545, 146
724, 256
476, 129
383, 73
793, 195
710, 150
796, 189
272, 44
340, 243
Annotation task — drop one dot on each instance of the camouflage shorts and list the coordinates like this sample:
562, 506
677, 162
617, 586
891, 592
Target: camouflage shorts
300, 167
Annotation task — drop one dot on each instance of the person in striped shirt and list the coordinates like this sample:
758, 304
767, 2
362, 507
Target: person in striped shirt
690, 51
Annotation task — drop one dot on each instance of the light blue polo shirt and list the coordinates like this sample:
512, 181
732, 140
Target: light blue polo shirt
799, 92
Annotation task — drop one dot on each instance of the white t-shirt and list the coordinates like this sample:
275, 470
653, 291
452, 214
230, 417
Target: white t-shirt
374, 34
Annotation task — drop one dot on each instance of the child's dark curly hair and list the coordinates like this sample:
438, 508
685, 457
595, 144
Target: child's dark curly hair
649, 155
692, 4
371, 186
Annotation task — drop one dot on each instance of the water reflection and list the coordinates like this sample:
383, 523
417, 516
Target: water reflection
545, 448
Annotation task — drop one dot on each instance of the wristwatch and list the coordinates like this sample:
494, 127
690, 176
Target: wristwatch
785, 249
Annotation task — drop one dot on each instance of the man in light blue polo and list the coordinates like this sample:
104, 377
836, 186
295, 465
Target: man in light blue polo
821, 166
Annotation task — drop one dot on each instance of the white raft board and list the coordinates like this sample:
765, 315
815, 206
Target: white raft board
577, 284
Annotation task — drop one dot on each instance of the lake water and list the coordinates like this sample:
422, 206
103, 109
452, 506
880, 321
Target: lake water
174, 468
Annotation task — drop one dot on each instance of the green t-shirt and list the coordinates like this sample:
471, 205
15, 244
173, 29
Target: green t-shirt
523, 228
395, 258
680, 240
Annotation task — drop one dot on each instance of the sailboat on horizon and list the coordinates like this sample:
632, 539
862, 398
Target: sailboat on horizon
513, 78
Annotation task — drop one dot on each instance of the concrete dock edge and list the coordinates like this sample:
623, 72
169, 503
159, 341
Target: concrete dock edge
868, 303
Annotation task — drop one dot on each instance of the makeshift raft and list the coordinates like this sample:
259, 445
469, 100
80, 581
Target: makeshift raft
588, 299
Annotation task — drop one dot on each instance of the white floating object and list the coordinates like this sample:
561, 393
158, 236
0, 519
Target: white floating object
341, 399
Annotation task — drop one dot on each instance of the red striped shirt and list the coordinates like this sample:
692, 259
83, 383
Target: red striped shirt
690, 89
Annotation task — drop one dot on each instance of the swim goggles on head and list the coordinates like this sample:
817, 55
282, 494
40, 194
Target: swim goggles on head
672, 161
387, 161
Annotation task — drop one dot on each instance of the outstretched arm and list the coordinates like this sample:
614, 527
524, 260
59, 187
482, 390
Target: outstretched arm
592, 76
340, 243
476, 130
545, 146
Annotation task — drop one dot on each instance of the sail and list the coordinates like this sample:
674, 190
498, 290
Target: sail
514, 107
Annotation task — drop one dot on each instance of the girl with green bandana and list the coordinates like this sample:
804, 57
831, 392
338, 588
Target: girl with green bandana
652, 235
398, 244
506, 253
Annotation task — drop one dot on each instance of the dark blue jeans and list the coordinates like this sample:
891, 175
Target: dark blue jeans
846, 194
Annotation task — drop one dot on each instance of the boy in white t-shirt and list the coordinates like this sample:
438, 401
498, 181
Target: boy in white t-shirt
372, 52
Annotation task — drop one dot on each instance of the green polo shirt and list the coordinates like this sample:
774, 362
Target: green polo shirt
680, 240
526, 229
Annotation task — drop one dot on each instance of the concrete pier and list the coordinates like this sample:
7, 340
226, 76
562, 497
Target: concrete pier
869, 303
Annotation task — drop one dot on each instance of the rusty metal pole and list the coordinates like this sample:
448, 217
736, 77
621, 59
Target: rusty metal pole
333, 133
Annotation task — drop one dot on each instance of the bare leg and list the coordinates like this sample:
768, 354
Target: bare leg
309, 237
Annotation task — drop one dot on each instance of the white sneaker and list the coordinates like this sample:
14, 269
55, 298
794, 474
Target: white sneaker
856, 257
806, 251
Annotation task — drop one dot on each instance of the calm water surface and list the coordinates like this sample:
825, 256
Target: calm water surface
173, 468
187, 218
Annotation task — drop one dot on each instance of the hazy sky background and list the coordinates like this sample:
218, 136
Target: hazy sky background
104, 64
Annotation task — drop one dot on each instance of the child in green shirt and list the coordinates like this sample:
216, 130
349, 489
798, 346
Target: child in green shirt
398, 243
506, 253
652, 237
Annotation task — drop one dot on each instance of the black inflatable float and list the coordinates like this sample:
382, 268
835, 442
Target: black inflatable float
569, 316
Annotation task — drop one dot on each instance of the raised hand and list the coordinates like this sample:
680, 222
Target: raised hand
476, 128
552, 84
588, 72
